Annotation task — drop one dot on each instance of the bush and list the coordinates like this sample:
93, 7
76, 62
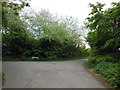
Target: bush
107, 67
110, 71
93, 61
7, 58
23, 58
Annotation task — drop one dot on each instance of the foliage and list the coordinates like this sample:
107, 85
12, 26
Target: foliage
11, 9
40, 34
14, 34
15, 39
45, 25
0, 77
55, 39
110, 71
93, 61
105, 28
104, 39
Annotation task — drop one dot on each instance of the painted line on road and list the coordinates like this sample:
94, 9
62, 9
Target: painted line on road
38, 75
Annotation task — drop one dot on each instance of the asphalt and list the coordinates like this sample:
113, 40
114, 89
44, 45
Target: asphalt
64, 74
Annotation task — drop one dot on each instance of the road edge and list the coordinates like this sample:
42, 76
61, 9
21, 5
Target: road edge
97, 76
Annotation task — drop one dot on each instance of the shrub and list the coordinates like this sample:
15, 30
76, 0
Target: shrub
10, 59
93, 61
110, 71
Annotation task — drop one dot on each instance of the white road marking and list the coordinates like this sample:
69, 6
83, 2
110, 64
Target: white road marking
26, 83
38, 75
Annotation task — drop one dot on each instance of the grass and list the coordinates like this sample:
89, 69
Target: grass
29, 59
68, 59
0, 76
100, 77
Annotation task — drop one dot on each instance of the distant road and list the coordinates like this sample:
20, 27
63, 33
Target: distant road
64, 74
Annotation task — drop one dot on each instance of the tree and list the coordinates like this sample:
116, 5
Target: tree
14, 34
57, 37
10, 10
44, 24
105, 29
104, 40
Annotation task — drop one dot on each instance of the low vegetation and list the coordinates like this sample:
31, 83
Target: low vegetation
0, 76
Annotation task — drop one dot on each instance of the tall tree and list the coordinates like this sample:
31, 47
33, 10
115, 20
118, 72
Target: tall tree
44, 24
10, 10
14, 33
56, 35
104, 37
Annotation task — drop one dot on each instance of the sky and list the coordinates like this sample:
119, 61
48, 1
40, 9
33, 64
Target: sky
75, 8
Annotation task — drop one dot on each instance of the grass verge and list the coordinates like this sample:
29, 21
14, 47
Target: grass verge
99, 77
29, 59
0, 76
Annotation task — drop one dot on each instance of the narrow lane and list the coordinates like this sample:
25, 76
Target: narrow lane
64, 74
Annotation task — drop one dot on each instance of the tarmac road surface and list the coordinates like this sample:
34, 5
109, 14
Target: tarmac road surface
63, 74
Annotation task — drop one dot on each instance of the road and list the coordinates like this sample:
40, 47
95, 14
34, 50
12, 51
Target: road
64, 74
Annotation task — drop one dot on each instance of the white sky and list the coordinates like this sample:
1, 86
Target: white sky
75, 8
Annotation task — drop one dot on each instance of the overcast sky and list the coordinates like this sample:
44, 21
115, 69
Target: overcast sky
75, 8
